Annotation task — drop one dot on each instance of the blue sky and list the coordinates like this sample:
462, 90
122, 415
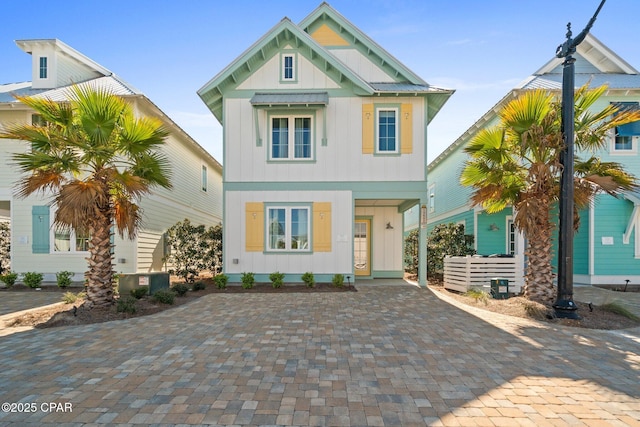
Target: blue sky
170, 49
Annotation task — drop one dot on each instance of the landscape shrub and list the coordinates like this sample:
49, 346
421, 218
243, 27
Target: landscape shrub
70, 297
180, 289
277, 279
164, 296
139, 293
9, 279
126, 305
338, 280
444, 239
248, 280
63, 279
32, 280
308, 279
221, 281
193, 249
198, 286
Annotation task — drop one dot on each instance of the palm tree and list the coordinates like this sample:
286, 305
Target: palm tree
517, 163
95, 159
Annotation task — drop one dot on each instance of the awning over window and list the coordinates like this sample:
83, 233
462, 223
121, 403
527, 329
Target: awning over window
630, 129
290, 99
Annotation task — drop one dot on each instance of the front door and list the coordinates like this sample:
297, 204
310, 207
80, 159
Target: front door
362, 247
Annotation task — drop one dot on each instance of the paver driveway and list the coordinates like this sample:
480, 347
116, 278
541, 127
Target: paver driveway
385, 355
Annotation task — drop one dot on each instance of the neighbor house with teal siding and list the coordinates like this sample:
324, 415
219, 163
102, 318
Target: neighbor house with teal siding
38, 246
325, 144
607, 245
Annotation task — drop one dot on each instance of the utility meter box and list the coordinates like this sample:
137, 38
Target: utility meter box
499, 288
153, 282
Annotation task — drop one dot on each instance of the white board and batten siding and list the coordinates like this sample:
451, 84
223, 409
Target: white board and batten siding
338, 260
340, 159
386, 243
462, 273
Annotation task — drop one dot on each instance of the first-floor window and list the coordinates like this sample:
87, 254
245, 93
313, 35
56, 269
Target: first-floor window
288, 228
67, 240
290, 138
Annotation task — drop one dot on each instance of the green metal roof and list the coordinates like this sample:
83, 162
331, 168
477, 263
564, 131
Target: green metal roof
286, 99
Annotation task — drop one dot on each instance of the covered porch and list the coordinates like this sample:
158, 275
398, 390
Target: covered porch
378, 239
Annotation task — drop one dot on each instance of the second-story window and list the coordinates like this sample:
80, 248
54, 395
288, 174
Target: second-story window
204, 178
387, 131
43, 67
291, 138
288, 67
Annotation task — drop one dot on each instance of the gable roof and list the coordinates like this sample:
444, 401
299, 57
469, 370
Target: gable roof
106, 79
28, 46
284, 32
325, 14
600, 65
406, 82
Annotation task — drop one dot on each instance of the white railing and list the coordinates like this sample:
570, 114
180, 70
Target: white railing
464, 272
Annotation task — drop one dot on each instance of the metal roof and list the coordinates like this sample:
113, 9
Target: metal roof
309, 98
613, 81
402, 87
111, 83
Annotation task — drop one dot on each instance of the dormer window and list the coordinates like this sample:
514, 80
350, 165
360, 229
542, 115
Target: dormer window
288, 67
43, 67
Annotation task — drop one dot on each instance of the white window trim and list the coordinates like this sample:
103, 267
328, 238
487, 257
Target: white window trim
616, 152
634, 223
287, 230
432, 198
52, 238
291, 137
397, 130
46, 67
204, 178
293, 77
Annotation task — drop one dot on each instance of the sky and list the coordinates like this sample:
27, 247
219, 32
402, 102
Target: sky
170, 49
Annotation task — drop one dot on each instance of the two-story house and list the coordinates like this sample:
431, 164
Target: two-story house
39, 247
325, 144
607, 245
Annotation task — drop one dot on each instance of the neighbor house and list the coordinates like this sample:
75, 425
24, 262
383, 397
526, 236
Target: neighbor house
35, 244
325, 144
607, 245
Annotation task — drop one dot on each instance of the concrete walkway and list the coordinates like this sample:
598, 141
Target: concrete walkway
385, 355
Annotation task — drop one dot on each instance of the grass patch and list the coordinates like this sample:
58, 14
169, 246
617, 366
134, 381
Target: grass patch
616, 308
478, 295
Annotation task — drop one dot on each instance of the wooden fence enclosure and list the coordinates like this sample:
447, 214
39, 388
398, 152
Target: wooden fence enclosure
472, 271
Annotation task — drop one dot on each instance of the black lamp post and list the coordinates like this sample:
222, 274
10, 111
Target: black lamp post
564, 305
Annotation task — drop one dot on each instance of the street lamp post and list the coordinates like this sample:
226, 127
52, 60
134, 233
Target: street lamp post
564, 306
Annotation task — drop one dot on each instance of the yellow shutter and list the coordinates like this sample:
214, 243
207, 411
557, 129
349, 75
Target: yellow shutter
368, 120
254, 227
406, 129
322, 227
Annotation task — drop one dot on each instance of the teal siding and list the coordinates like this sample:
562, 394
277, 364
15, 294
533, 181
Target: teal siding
40, 229
612, 216
449, 194
491, 241
581, 245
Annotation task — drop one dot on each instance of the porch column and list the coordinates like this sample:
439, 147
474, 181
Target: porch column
422, 244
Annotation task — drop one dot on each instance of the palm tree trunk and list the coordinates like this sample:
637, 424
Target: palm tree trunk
100, 291
539, 274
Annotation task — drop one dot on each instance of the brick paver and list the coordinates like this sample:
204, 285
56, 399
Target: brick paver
385, 355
